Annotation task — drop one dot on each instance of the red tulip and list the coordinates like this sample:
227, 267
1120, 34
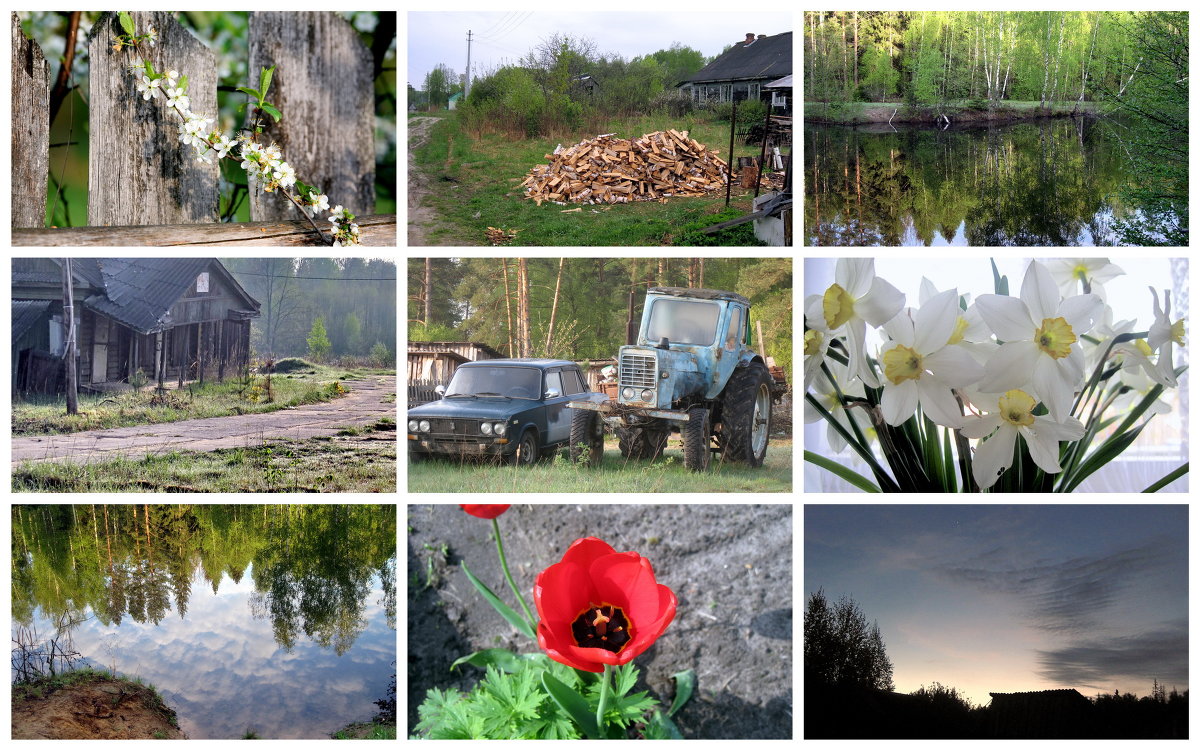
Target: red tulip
485, 510
598, 607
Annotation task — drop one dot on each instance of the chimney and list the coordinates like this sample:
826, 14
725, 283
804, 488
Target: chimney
762, 36
749, 38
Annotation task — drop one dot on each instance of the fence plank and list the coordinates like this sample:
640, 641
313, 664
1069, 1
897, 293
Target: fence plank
30, 129
378, 230
324, 88
138, 171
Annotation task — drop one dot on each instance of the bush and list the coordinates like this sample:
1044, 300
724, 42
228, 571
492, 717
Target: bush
381, 355
750, 111
292, 364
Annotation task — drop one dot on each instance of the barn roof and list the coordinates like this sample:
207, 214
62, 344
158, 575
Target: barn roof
26, 314
769, 57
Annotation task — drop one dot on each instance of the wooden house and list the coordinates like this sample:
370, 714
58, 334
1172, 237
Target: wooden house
163, 318
743, 71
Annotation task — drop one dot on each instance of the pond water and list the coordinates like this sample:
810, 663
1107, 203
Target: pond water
275, 618
1044, 182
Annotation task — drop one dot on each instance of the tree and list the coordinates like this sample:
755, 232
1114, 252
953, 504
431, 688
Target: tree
318, 340
439, 84
839, 647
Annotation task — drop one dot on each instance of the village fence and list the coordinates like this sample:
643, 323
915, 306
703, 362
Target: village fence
145, 187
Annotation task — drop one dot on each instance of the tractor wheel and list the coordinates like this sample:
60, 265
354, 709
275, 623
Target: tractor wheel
642, 443
696, 440
587, 438
526, 453
746, 415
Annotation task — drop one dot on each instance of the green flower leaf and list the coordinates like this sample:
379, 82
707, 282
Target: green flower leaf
508, 613
573, 704
502, 659
265, 83
270, 110
252, 92
685, 683
126, 22
183, 83
1179, 471
150, 71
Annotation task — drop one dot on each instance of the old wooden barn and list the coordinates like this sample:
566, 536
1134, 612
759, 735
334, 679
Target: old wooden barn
136, 319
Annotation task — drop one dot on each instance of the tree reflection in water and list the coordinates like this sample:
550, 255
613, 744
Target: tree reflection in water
311, 565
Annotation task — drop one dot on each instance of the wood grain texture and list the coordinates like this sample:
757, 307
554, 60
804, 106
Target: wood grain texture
323, 86
30, 129
378, 230
138, 171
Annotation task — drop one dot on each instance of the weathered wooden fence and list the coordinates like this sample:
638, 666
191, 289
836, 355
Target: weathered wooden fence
146, 188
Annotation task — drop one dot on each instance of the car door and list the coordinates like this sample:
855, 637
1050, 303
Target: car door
558, 417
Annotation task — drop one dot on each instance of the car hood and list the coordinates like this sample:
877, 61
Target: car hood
483, 408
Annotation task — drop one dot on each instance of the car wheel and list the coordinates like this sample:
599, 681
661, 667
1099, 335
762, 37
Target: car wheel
526, 453
697, 433
587, 438
746, 415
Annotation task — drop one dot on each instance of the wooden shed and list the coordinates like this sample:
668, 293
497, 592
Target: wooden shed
167, 318
431, 364
1056, 713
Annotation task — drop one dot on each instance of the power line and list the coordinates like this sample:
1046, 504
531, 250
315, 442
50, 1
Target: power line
498, 34
498, 23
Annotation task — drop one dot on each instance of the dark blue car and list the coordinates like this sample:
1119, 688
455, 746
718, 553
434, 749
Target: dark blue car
512, 409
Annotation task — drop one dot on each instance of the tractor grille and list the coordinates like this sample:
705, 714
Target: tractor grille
639, 371
445, 427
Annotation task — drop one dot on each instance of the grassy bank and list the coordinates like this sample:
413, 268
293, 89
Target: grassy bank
305, 384
366, 731
615, 475
118, 708
361, 460
474, 184
857, 113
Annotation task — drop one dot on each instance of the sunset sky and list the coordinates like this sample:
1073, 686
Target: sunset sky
1013, 598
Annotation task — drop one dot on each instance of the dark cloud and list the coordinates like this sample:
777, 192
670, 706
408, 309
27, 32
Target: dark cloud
1069, 595
1102, 663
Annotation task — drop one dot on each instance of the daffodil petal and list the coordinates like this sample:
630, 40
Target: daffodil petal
1007, 317
993, 456
1081, 312
954, 366
980, 427
1009, 367
936, 321
938, 402
1053, 387
881, 303
1039, 292
899, 402
1043, 447
855, 275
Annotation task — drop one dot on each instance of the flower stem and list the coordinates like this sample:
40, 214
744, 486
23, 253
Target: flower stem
600, 710
508, 576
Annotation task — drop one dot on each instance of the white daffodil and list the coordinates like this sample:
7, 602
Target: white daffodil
1082, 274
826, 394
919, 365
1140, 384
176, 98
1040, 333
857, 297
817, 338
970, 332
1008, 415
1163, 336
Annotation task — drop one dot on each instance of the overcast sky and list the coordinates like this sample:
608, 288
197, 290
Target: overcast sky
503, 37
1013, 598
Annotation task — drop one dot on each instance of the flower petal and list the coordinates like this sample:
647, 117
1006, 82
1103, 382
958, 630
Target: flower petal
1081, 312
1007, 317
1009, 367
980, 427
1053, 386
954, 366
936, 321
854, 275
938, 402
1043, 447
1039, 292
993, 456
899, 402
881, 303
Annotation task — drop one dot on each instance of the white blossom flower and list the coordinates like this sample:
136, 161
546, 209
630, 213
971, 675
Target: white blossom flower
318, 203
919, 365
152, 35
1082, 274
176, 98
857, 297
1040, 333
338, 214
285, 175
172, 76
1007, 416
1162, 337
825, 392
223, 146
147, 86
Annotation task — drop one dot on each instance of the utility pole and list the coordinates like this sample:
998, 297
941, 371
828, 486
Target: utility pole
69, 350
467, 85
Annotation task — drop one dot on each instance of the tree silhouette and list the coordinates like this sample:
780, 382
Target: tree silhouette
840, 648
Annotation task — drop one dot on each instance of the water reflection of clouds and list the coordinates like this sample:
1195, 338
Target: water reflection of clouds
223, 672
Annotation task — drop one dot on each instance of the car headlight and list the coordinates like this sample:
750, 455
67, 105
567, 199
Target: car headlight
499, 428
413, 426
485, 428
647, 395
424, 426
627, 393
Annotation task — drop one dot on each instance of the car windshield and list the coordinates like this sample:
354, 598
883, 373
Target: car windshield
496, 380
683, 321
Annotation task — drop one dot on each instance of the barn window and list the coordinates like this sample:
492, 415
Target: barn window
202, 282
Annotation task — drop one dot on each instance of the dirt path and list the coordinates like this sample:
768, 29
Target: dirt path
365, 404
419, 215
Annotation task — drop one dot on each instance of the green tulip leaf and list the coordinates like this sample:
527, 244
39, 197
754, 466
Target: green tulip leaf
126, 22
509, 614
685, 683
573, 704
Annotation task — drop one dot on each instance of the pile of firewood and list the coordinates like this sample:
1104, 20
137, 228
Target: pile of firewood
606, 169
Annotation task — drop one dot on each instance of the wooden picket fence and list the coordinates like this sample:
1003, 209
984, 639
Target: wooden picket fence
146, 188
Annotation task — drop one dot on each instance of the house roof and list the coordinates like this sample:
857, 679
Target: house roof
419, 346
782, 83
26, 314
769, 57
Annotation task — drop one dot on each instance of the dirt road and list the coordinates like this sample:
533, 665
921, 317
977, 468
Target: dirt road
365, 404
419, 215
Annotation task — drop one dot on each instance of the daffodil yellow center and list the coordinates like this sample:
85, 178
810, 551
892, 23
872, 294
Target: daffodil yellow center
1055, 337
1080, 271
1016, 408
902, 364
837, 305
813, 340
960, 328
1142, 347
1177, 332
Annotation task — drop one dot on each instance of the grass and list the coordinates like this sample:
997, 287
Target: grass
366, 731
48, 684
615, 475
317, 465
316, 383
474, 185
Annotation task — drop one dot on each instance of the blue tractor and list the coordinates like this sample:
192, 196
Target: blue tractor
691, 370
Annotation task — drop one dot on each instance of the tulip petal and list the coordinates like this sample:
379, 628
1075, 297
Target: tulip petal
993, 456
1007, 317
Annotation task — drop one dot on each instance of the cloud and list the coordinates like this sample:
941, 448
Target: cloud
1099, 663
1069, 595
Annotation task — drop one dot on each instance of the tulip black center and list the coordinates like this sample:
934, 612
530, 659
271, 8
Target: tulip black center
602, 626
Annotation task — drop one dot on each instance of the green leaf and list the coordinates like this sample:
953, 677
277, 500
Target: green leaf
183, 83
270, 110
685, 683
232, 172
508, 613
1109, 450
661, 727
265, 82
1000, 283
573, 704
150, 71
845, 473
126, 22
503, 659
252, 92
1164, 482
